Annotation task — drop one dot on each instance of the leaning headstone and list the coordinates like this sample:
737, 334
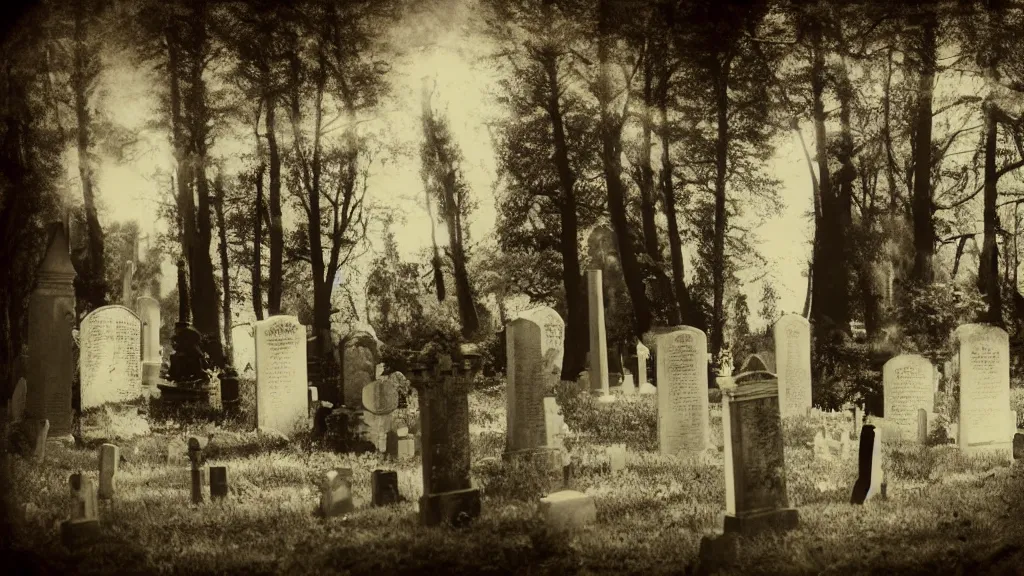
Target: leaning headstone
682, 391
534, 360
218, 482
755, 467
195, 455
111, 364
83, 525
384, 487
907, 387
567, 509
869, 466
110, 456
336, 493
281, 375
793, 362
598, 341
51, 317
37, 433
148, 310
984, 389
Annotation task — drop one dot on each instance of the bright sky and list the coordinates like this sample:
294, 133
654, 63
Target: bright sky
129, 192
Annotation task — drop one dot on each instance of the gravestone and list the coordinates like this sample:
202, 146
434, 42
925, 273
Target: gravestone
598, 366
111, 363
907, 388
218, 482
534, 363
380, 397
869, 466
682, 391
51, 317
793, 363
384, 487
148, 310
281, 374
336, 493
616, 458
18, 399
195, 456
243, 348
359, 358
760, 362
110, 457
755, 468
643, 353
37, 432
83, 524
984, 389
567, 509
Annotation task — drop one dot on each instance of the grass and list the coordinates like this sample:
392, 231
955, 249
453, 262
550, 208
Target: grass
943, 512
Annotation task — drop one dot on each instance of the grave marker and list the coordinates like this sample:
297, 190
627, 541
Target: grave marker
195, 455
218, 482
598, 365
37, 432
793, 362
869, 466
907, 387
380, 397
110, 459
84, 521
984, 389
682, 391
336, 493
149, 314
281, 375
567, 509
111, 364
384, 487
534, 359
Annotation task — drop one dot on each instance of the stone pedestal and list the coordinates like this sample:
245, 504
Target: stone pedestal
442, 386
51, 317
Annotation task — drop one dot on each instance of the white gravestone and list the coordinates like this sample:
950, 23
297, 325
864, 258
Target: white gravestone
148, 310
793, 364
907, 387
243, 348
110, 361
642, 354
984, 389
281, 402
534, 362
682, 391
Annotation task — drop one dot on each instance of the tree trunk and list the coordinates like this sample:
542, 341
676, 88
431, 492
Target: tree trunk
988, 268
225, 275
257, 246
276, 228
921, 207
826, 290
841, 264
576, 343
83, 75
611, 160
721, 166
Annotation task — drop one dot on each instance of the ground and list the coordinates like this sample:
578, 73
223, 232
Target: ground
942, 514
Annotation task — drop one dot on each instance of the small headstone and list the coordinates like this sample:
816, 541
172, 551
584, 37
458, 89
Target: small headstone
195, 455
869, 466
406, 447
402, 431
821, 451
533, 349
218, 482
313, 398
38, 431
336, 493
110, 458
568, 509
616, 458
384, 485
628, 387
83, 524
1018, 446
793, 362
922, 426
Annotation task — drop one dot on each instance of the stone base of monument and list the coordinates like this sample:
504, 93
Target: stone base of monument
78, 533
567, 509
150, 373
751, 524
181, 392
456, 508
717, 552
1003, 449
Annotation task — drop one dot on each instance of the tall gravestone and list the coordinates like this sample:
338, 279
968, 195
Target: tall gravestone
148, 310
755, 467
110, 364
907, 387
281, 402
243, 348
682, 391
598, 341
793, 363
534, 363
51, 317
984, 389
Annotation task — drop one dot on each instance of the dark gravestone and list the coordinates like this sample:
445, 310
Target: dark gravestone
755, 466
195, 454
229, 390
867, 468
442, 385
83, 526
218, 482
384, 484
1018, 446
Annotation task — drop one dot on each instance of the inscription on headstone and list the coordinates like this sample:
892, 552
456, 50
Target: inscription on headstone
281, 374
682, 391
534, 360
907, 388
984, 388
110, 362
793, 363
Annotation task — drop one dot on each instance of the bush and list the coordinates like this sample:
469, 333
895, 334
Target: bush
630, 420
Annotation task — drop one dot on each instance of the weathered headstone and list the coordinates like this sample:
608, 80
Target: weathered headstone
83, 524
598, 342
628, 387
682, 391
380, 397
907, 387
793, 361
18, 398
37, 432
281, 375
567, 509
869, 466
218, 482
336, 493
534, 363
195, 455
51, 317
384, 487
755, 468
148, 310
616, 458
984, 389
110, 457
111, 364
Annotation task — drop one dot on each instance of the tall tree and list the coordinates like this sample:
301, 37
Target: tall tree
222, 251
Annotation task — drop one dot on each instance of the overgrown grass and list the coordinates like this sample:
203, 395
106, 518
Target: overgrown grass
943, 511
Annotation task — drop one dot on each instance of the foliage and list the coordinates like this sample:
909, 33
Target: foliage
848, 371
928, 316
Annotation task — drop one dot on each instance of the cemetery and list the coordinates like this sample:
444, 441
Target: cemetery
530, 287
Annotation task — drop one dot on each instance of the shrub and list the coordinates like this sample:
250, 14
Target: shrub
632, 420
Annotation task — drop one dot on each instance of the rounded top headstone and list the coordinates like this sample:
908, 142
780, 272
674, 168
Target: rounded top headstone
380, 397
